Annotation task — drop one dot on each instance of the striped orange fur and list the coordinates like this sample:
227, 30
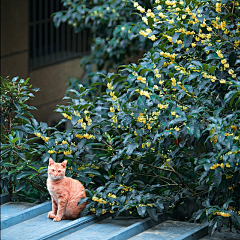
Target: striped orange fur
65, 192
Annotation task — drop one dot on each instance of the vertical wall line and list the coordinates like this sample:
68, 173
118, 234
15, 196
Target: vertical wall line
40, 32
74, 47
63, 40
46, 32
68, 41
52, 58
34, 9
57, 34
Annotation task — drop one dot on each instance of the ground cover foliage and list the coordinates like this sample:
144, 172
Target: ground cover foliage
164, 137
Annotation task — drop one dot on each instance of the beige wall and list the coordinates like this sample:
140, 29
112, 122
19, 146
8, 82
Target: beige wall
14, 38
14, 61
52, 82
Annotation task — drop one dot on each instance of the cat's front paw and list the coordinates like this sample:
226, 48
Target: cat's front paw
57, 219
51, 215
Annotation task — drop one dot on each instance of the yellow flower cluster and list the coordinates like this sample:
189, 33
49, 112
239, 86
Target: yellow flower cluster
156, 72
150, 13
145, 205
215, 165
153, 38
68, 152
114, 118
109, 86
139, 8
144, 93
51, 151
163, 106
93, 210
145, 20
112, 195
218, 7
168, 55
141, 79
145, 33
103, 211
168, 37
223, 214
99, 200
141, 118
125, 188
112, 94
67, 116
86, 135
42, 137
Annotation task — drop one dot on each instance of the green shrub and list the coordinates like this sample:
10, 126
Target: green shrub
23, 171
164, 137
165, 134
112, 38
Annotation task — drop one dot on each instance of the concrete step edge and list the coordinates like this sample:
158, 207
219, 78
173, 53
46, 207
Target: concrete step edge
137, 228
195, 234
71, 227
26, 215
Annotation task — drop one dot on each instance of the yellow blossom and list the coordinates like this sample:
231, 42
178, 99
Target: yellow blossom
109, 86
222, 81
114, 98
228, 165
103, 211
37, 134
153, 38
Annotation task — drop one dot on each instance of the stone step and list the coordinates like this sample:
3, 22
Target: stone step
16, 212
12, 208
173, 230
225, 234
41, 227
114, 229
25, 221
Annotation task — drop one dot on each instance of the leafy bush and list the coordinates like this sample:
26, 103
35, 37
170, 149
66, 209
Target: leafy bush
112, 38
164, 137
165, 134
23, 173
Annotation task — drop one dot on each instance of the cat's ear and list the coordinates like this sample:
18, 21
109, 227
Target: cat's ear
51, 162
64, 163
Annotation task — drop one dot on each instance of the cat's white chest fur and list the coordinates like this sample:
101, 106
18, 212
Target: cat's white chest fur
52, 193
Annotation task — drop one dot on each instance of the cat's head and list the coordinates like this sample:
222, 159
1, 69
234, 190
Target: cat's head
56, 170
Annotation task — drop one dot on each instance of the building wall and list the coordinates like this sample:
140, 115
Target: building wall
14, 38
52, 81
14, 61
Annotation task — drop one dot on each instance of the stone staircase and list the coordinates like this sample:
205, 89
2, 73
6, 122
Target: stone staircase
23, 221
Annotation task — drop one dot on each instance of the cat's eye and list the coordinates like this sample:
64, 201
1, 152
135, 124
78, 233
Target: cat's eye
53, 170
59, 170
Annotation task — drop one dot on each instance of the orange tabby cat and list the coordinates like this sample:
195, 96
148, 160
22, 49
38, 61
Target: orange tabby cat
65, 192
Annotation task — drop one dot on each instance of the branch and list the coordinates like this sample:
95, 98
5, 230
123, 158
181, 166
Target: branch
164, 169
